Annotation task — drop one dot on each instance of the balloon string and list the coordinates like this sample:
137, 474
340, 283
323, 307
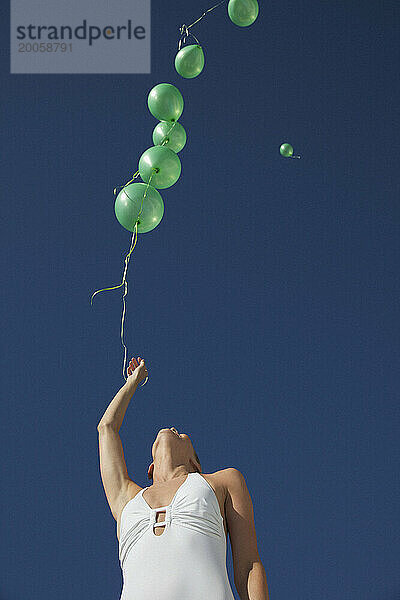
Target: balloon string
184, 29
207, 11
124, 282
127, 183
295, 157
165, 138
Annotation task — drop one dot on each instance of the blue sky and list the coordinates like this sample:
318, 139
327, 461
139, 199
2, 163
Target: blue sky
266, 303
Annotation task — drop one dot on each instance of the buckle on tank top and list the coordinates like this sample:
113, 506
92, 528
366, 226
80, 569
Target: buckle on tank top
161, 509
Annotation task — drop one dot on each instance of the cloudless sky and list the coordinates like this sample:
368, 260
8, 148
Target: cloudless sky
266, 303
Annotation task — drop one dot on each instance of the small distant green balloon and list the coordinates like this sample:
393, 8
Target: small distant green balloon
243, 12
286, 150
165, 102
172, 135
189, 62
129, 202
166, 164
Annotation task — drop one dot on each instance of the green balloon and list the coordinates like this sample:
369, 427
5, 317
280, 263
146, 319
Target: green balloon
286, 150
165, 165
243, 12
172, 134
165, 102
129, 202
189, 62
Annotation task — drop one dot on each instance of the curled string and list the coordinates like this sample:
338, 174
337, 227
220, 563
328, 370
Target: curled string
124, 282
184, 29
127, 258
127, 183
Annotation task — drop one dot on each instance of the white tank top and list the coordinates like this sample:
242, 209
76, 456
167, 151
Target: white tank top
188, 560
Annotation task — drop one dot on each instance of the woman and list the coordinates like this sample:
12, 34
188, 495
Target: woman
172, 534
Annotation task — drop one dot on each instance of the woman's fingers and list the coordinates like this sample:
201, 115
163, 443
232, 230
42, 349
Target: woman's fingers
134, 363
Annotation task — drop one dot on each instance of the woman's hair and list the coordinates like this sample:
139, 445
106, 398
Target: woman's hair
196, 457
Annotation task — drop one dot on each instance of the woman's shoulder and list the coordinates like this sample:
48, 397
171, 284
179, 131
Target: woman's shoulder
222, 479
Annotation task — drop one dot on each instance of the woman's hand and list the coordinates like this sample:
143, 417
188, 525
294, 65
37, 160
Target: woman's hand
137, 370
